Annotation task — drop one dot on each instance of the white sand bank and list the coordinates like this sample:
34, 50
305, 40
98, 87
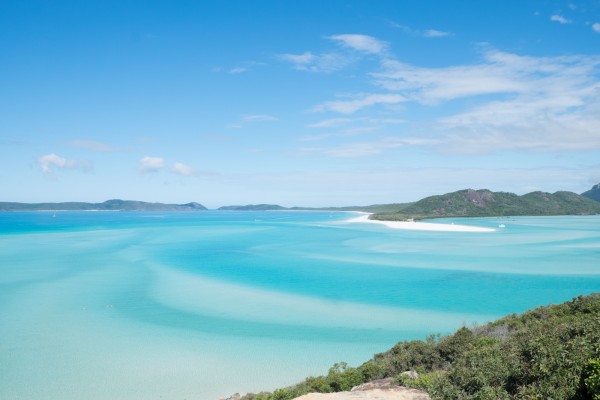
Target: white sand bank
421, 226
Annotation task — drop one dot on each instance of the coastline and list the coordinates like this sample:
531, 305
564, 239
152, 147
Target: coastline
419, 226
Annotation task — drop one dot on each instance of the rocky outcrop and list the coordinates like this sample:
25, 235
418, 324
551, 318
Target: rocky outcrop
479, 198
383, 389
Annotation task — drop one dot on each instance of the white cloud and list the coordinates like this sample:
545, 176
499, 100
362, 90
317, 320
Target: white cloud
330, 123
337, 122
365, 149
504, 101
433, 33
251, 118
533, 124
238, 70
151, 164
49, 161
182, 169
299, 59
351, 106
499, 73
596, 27
258, 118
336, 60
429, 33
363, 43
560, 19
515, 102
325, 62
94, 146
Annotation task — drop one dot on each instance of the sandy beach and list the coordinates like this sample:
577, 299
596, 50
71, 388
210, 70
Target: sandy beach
420, 226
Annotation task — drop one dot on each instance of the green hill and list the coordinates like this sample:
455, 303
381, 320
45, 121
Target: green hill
109, 205
485, 203
550, 352
593, 193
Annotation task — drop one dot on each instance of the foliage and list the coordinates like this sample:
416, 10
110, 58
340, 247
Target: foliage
485, 203
548, 353
592, 379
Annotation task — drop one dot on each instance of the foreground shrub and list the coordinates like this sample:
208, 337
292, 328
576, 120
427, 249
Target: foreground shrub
547, 353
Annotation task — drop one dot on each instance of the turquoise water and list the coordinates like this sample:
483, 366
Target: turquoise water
200, 305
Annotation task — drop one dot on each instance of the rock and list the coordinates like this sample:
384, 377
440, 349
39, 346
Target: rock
387, 383
411, 374
381, 389
397, 393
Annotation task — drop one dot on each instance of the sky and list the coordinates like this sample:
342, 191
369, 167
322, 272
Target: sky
298, 103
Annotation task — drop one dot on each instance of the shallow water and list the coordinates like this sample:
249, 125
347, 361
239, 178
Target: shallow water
199, 305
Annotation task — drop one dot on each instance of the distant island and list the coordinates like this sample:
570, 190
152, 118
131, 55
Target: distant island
463, 203
593, 193
109, 205
276, 207
485, 203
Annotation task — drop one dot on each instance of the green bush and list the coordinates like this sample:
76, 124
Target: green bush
547, 353
592, 379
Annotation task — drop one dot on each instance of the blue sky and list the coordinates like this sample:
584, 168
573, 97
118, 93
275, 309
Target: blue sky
296, 103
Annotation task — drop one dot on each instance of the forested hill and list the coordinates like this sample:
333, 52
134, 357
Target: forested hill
485, 203
593, 193
109, 205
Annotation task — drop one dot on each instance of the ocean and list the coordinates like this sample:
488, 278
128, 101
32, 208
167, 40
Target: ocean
200, 305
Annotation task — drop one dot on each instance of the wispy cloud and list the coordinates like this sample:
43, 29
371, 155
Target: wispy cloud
51, 162
238, 70
330, 123
427, 33
596, 27
365, 149
531, 103
301, 61
499, 73
324, 62
353, 48
360, 102
531, 124
251, 118
434, 33
151, 164
560, 19
94, 146
362, 43
182, 169
258, 118
504, 101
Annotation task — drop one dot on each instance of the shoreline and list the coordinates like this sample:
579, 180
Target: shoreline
419, 226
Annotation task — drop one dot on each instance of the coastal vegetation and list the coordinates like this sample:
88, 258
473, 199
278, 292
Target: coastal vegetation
485, 203
109, 205
551, 352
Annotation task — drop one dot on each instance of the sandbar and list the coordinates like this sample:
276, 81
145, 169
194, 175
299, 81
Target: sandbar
421, 226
